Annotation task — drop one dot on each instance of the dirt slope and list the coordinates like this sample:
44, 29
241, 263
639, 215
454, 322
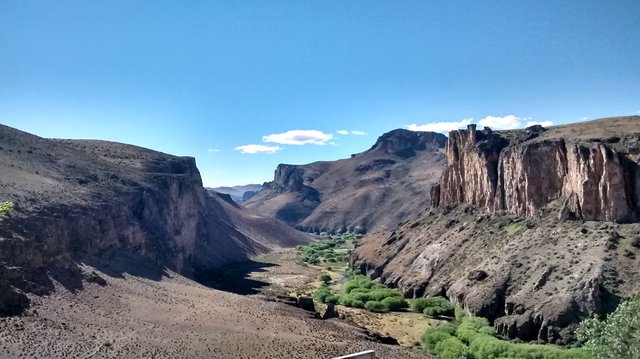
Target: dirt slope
144, 311
370, 191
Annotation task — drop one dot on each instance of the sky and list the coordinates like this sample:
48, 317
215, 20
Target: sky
245, 85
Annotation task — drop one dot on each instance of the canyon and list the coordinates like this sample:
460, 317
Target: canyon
534, 229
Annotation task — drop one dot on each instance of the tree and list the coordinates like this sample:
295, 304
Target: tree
617, 336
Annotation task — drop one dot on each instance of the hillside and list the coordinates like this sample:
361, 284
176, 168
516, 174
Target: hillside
81, 199
372, 190
522, 230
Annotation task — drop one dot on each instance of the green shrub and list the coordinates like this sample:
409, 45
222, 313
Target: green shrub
395, 303
325, 278
382, 293
452, 348
433, 335
348, 301
433, 306
333, 299
459, 313
472, 327
322, 293
5, 208
617, 336
485, 346
374, 306
361, 296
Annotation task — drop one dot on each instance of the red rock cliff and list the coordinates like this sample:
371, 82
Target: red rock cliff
522, 171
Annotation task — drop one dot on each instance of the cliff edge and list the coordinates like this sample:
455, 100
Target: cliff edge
534, 229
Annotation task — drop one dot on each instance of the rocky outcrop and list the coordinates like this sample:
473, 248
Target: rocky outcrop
373, 190
78, 200
498, 242
523, 171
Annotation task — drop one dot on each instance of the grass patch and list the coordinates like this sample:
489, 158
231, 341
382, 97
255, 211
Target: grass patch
474, 338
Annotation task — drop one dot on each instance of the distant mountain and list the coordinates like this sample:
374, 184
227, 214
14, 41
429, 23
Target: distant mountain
239, 194
372, 190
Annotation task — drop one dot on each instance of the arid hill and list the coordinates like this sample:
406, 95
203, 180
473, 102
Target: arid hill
524, 228
372, 190
78, 199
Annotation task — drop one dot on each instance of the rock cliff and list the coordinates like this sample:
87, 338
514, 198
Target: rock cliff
372, 190
500, 241
76, 200
522, 171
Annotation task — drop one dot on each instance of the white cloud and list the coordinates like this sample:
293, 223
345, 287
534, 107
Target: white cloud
253, 149
212, 150
299, 137
342, 132
358, 133
586, 118
501, 123
541, 123
440, 126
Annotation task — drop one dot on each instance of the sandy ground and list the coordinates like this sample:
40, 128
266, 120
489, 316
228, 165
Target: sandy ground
170, 316
281, 273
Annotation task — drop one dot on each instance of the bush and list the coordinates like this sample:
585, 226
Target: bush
325, 278
459, 313
382, 293
5, 208
374, 306
472, 327
434, 335
333, 299
322, 293
617, 336
434, 306
452, 348
348, 301
395, 303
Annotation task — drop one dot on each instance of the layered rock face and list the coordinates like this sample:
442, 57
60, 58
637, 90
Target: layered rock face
500, 241
522, 171
78, 200
370, 191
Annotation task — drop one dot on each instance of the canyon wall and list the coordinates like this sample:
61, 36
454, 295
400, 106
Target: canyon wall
535, 229
522, 171
81, 201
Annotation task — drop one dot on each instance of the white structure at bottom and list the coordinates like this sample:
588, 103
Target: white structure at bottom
368, 354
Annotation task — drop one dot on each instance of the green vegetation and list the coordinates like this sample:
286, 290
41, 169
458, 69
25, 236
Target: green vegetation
616, 336
333, 249
325, 278
5, 208
472, 337
321, 294
433, 307
362, 292
374, 306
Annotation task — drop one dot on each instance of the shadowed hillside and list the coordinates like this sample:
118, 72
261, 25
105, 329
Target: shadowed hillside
77, 199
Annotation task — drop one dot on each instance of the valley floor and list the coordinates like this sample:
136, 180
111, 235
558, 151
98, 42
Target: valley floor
161, 314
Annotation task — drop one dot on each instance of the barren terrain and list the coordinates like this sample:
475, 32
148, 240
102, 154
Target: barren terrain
164, 315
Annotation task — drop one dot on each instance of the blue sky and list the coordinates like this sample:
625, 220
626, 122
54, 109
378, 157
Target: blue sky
208, 78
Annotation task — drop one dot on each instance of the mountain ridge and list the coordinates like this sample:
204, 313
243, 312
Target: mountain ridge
521, 254
369, 191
